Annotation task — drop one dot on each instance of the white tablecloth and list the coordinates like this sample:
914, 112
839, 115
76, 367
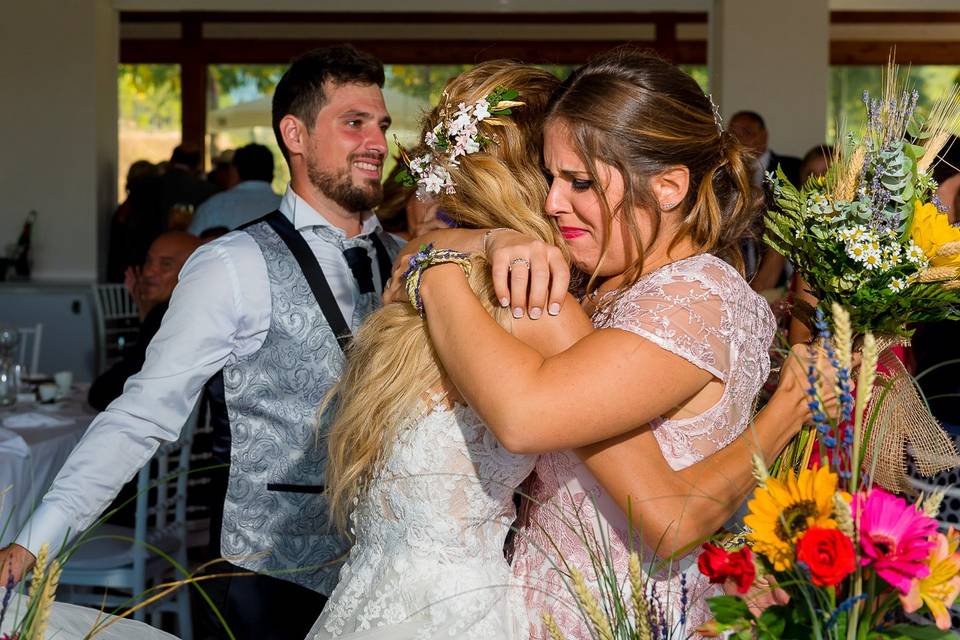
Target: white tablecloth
71, 622
28, 468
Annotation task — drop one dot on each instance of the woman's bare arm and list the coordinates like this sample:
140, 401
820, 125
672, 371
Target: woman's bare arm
607, 384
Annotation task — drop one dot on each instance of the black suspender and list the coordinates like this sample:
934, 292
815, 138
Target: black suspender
383, 260
314, 274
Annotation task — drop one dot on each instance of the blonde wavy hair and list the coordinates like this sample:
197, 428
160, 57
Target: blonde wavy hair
392, 369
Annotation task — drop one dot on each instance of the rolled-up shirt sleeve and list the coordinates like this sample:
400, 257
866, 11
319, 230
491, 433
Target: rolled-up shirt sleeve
211, 321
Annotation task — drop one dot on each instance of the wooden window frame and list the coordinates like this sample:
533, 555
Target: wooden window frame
194, 53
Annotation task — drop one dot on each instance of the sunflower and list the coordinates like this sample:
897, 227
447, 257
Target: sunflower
933, 233
940, 589
781, 511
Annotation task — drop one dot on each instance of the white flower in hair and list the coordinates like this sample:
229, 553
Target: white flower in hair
481, 110
452, 139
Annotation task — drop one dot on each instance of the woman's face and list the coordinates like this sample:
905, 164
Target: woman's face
577, 208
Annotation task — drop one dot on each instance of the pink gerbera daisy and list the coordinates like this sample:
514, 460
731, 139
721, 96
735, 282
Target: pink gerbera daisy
894, 537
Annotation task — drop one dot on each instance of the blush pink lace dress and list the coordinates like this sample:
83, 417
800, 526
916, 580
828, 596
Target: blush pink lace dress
702, 310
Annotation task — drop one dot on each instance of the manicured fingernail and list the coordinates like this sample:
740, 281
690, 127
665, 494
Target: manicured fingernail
554, 309
535, 313
518, 312
504, 302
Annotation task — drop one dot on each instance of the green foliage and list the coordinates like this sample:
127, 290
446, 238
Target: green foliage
149, 95
700, 73
910, 632
848, 82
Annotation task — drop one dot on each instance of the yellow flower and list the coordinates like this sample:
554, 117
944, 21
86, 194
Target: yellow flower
931, 230
781, 511
938, 590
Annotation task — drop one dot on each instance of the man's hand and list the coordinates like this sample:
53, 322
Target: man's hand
131, 281
15, 561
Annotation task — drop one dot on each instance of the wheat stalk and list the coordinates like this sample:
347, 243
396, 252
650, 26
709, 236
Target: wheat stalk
640, 610
949, 249
590, 606
552, 627
842, 336
938, 274
843, 515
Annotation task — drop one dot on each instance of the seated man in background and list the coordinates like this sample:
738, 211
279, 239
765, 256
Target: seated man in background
151, 288
251, 198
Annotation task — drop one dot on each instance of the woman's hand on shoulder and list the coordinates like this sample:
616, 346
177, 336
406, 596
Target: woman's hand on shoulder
464, 240
529, 275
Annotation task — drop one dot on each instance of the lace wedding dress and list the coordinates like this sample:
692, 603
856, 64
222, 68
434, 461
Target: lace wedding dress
428, 559
701, 309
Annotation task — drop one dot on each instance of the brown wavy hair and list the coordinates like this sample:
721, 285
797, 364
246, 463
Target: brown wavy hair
641, 115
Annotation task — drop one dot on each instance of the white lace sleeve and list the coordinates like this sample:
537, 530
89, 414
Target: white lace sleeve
679, 310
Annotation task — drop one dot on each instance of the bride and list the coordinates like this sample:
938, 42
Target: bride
415, 474
412, 473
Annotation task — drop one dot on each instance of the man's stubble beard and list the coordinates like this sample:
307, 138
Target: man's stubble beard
339, 187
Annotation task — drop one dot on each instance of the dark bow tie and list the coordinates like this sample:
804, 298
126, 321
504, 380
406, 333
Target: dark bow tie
362, 267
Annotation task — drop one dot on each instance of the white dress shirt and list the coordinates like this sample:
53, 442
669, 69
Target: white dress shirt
219, 312
246, 201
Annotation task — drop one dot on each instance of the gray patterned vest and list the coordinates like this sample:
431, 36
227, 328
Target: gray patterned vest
272, 396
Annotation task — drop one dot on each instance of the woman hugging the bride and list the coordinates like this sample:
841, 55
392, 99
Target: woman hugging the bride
451, 398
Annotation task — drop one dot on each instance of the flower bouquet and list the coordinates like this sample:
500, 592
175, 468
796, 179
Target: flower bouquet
852, 557
870, 235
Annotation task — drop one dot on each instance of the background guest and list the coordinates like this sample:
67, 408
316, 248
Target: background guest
937, 344
749, 128
815, 163
151, 288
178, 187
248, 200
751, 131
223, 174
118, 249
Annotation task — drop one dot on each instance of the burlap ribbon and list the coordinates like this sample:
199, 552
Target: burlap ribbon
902, 423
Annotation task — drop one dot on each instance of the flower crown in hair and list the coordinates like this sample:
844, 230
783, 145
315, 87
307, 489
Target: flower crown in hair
450, 139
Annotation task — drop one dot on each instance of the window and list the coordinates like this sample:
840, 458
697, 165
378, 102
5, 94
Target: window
149, 127
847, 84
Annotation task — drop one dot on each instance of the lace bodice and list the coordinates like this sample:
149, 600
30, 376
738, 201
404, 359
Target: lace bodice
429, 537
701, 309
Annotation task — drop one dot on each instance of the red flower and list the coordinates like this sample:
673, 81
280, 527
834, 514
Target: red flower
828, 553
720, 565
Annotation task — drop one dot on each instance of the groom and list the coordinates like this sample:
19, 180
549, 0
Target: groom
271, 307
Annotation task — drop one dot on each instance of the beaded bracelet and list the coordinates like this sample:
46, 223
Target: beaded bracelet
424, 259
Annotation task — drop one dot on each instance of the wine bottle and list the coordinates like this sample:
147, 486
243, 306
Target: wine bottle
23, 260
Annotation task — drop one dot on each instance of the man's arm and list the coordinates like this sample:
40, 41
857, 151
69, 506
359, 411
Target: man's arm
204, 325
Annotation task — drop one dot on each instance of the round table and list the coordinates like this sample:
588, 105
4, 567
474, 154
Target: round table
70, 622
32, 454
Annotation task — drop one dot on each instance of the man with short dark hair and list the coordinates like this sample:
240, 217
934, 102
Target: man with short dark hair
249, 199
764, 266
271, 306
750, 129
